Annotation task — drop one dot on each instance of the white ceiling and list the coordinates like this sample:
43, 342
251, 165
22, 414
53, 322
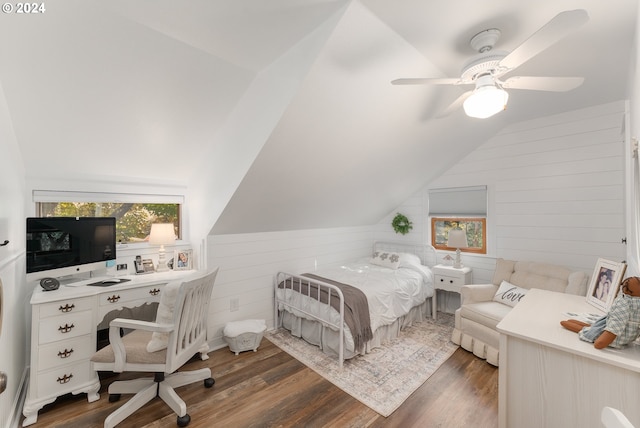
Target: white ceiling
279, 114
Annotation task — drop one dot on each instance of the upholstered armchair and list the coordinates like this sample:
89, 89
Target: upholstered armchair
161, 347
483, 306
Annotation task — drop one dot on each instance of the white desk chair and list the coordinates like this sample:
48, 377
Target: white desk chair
613, 418
162, 347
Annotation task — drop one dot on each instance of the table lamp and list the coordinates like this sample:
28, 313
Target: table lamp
162, 234
457, 239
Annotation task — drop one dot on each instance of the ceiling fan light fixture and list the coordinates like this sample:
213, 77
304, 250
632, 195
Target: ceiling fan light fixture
485, 101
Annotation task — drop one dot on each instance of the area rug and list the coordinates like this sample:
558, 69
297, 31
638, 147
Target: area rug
386, 377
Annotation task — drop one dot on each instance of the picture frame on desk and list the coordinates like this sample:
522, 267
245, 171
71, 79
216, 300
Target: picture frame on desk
604, 284
183, 260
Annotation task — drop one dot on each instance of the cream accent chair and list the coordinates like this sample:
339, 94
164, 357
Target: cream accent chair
478, 315
161, 347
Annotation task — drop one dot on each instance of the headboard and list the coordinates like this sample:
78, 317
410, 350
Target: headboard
426, 253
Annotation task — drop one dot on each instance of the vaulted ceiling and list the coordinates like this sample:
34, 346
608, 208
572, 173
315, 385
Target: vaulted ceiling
280, 114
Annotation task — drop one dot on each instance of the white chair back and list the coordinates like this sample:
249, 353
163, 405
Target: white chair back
190, 317
613, 418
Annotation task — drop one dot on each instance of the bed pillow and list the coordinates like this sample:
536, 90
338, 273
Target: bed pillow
386, 259
164, 315
408, 259
509, 294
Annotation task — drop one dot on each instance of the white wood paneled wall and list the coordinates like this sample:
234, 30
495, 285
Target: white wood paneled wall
248, 263
555, 194
555, 191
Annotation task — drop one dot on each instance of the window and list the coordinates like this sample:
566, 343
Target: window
134, 213
475, 229
463, 207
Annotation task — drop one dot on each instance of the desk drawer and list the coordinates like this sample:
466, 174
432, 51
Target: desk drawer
118, 298
65, 307
65, 352
64, 327
64, 379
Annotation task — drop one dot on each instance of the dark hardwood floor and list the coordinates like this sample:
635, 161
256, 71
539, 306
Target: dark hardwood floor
269, 388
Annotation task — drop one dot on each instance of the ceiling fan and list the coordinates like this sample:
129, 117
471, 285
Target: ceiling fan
486, 69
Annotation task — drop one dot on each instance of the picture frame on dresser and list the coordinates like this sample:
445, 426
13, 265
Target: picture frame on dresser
604, 283
183, 260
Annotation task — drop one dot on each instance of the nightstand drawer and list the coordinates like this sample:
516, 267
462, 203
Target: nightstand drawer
450, 283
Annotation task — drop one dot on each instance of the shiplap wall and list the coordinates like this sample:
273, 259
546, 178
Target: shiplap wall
248, 263
555, 191
555, 194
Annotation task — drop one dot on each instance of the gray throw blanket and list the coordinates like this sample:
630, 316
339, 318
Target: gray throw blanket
356, 307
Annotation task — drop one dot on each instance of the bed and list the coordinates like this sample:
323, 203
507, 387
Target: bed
351, 309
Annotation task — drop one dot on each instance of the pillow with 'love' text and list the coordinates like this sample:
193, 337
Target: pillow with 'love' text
509, 294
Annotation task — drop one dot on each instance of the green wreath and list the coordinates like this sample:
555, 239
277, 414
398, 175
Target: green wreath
401, 224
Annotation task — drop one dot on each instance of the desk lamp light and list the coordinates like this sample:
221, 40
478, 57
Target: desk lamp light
457, 239
162, 234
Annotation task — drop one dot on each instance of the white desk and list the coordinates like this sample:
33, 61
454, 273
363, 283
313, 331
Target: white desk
63, 334
550, 378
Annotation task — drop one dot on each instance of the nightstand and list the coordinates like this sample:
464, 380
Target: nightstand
450, 279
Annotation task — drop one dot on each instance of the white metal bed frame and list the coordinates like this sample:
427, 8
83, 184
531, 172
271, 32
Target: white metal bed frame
426, 253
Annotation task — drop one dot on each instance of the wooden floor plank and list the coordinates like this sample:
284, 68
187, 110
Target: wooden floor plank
269, 388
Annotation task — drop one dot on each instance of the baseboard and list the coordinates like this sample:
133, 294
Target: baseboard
18, 403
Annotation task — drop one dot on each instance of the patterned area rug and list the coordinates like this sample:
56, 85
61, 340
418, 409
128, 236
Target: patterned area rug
386, 377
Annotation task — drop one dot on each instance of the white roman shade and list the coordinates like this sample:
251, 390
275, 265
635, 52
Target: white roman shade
457, 201
65, 196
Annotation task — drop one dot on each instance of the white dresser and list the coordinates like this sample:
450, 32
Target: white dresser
550, 378
64, 334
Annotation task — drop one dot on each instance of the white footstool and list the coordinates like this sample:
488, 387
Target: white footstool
244, 335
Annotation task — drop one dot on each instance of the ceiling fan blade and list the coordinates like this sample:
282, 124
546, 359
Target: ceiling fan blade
454, 105
559, 27
427, 81
552, 84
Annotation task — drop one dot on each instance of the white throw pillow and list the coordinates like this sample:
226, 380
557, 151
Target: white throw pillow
408, 259
386, 259
509, 294
164, 315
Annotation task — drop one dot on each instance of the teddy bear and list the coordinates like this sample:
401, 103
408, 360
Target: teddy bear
620, 326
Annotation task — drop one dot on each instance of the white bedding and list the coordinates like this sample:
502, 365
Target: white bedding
391, 293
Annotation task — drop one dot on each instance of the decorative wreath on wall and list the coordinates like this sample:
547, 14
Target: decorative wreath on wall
401, 224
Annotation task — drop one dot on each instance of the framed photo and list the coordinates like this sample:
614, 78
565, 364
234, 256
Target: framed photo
604, 284
182, 260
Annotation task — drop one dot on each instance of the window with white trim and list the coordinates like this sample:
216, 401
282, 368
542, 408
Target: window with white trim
134, 213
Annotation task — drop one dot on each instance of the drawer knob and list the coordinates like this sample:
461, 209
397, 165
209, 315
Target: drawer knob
66, 329
154, 292
441, 279
451, 281
113, 299
64, 379
66, 308
66, 353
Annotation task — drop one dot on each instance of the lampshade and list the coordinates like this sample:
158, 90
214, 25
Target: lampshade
162, 234
486, 100
457, 239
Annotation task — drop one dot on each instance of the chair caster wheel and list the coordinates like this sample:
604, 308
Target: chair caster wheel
183, 421
114, 397
209, 382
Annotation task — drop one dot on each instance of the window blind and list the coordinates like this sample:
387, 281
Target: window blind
458, 201
65, 196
